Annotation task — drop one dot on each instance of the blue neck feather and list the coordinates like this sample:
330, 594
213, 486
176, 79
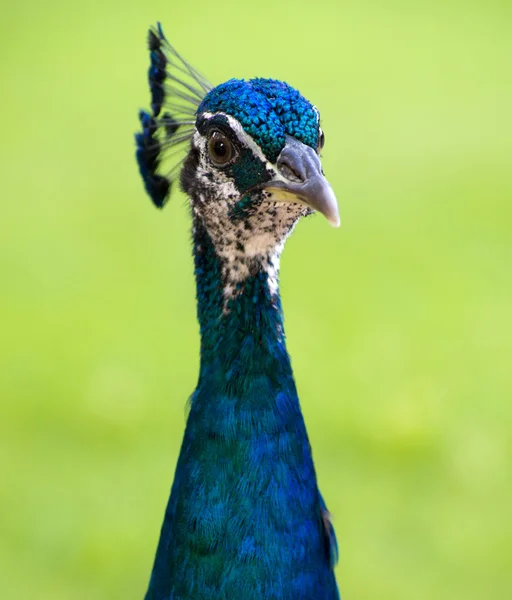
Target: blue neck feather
243, 335
244, 520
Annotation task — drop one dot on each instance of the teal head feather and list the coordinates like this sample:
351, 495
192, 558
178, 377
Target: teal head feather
268, 110
245, 518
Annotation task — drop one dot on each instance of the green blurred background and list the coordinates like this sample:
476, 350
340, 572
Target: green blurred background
399, 323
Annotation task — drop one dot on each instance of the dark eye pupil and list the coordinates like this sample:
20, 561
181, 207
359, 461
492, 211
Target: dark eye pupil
220, 148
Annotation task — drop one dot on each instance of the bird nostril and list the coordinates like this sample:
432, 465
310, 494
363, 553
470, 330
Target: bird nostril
290, 171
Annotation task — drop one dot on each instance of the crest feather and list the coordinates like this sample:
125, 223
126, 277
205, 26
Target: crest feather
177, 90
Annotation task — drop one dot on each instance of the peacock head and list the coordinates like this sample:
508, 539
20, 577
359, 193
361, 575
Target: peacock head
250, 152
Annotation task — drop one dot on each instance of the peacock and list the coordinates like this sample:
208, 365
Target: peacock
245, 519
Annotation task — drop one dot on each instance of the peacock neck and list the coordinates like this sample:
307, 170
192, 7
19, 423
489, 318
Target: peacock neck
244, 502
239, 312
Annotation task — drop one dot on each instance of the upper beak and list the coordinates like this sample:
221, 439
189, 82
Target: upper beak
301, 180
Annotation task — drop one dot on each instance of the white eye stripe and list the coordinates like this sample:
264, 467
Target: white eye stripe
243, 137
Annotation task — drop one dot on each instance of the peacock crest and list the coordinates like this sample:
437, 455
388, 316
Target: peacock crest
177, 90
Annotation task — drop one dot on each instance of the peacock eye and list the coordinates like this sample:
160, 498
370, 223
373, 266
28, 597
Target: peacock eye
220, 149
321, 139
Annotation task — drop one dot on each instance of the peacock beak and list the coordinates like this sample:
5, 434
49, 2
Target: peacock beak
301, 180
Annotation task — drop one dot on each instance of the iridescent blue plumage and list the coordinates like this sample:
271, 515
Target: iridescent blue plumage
245, 519
268, 110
